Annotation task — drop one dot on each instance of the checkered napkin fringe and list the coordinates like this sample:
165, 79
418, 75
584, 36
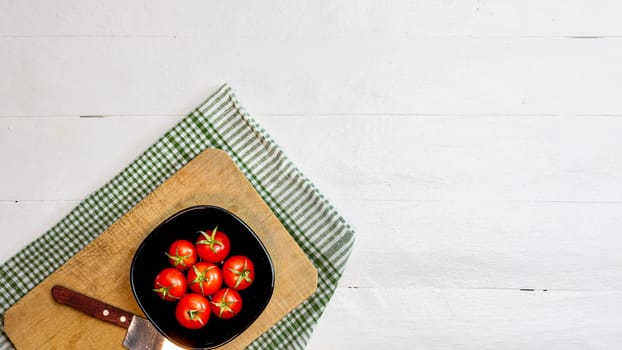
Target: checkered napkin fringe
220, 122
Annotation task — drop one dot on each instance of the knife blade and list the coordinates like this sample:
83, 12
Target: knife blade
141, 334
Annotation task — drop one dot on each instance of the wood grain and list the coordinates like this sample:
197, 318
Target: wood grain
480, 138
101, 270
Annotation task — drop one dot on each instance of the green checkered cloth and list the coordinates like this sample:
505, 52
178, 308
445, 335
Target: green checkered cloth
220, 122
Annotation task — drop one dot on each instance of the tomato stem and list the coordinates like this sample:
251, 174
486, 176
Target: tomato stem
164, 291
210, 240
194, 315
178, 260
201, 277
223, 305
243, 275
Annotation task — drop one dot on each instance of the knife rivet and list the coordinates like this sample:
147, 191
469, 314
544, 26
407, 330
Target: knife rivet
105, 312
123, 318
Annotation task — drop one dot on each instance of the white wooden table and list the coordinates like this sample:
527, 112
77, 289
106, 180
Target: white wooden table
476, 146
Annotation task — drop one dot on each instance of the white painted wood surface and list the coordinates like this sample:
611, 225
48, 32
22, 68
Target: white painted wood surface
474, 145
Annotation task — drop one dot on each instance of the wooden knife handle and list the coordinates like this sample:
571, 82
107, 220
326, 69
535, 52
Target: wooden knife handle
92, 307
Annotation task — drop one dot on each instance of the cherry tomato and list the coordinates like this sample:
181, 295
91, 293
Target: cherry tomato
213, 246
170, 284
238, 272
226, 303
204, 278
193, 311
182, 254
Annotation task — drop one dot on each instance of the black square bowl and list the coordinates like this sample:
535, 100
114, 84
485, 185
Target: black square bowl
150, 259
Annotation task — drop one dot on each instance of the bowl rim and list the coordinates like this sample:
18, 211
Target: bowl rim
166, 221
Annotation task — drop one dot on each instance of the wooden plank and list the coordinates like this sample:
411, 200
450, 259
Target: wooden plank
456, 158
485, 244
211, 178
413, 318
427, 75
422, 157
303, 20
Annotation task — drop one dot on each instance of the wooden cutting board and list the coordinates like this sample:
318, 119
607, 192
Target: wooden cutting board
101, 269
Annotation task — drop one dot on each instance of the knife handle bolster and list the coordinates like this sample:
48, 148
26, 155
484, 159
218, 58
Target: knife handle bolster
92, 307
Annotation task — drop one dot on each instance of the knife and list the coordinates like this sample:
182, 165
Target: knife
141, 334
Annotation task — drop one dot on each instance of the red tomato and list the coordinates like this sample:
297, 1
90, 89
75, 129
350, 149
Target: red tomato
193, 311
213, 246
226, 303
204, 278
182, 254
170, 284
238, 272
